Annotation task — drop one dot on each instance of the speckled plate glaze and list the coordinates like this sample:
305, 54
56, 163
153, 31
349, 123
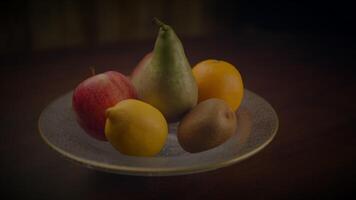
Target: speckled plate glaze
257, 125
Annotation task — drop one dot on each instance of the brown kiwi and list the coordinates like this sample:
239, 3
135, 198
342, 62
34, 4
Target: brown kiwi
206, 126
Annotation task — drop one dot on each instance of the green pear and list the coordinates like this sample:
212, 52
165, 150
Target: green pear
164, 79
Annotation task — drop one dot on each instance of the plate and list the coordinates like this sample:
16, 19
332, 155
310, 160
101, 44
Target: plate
257, 124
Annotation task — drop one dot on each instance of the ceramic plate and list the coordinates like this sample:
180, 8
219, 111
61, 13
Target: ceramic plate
257, 124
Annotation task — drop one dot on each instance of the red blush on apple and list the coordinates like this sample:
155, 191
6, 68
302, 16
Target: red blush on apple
94, 95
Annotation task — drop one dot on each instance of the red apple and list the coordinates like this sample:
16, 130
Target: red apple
144, 61
94, 95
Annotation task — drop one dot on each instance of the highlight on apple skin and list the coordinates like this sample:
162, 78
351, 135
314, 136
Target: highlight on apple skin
94, 95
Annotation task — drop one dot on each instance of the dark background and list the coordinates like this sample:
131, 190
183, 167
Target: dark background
33, 26
297, 55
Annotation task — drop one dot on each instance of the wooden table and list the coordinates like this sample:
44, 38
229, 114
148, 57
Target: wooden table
308, 80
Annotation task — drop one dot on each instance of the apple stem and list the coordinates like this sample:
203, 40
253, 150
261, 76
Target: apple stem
92, 69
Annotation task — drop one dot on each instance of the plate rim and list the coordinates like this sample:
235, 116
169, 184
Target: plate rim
145, 171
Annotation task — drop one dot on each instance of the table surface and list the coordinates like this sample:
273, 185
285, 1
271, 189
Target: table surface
309, 81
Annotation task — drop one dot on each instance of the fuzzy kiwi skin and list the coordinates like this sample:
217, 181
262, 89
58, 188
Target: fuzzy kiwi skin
206, 126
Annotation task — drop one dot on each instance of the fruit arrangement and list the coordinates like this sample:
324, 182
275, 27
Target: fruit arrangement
132, 113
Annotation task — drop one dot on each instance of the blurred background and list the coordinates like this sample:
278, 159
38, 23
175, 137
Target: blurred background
35, 26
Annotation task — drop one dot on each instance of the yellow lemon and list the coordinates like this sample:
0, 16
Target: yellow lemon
136, 128
219, 79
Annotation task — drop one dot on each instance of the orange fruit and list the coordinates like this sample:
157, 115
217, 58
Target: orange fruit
219, 79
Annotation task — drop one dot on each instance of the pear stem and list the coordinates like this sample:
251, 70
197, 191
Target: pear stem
92, 70
160, 24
